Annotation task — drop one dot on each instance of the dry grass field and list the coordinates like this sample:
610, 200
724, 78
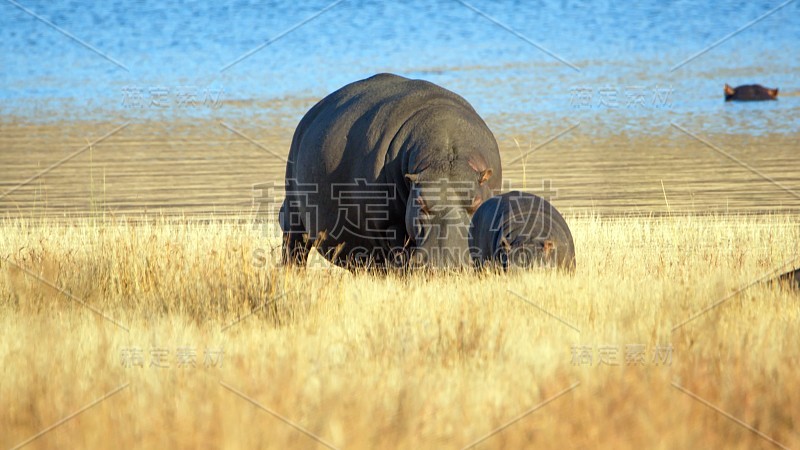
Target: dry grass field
143, 156
184, 334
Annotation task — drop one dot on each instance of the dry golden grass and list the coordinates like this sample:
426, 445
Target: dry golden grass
420, 361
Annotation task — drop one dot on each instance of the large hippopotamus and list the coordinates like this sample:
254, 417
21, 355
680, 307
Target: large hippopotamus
387, 166
520, 230
750, 92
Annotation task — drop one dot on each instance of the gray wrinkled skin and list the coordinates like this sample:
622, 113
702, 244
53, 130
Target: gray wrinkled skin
420, 147
520, 230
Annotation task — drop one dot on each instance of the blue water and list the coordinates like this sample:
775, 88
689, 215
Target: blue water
177, 57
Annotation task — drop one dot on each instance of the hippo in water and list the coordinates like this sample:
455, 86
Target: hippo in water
750, 92
387, 166
520, 230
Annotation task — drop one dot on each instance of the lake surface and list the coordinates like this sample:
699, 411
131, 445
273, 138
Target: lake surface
610, 63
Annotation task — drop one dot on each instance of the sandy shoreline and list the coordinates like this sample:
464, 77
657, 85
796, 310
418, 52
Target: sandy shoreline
211, 166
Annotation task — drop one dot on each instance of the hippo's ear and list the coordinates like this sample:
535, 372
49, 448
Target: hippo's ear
485, 175
728, 90
772, 92
412, 177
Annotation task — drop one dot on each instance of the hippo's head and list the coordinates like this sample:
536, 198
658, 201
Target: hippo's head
536, 236
750, 92
518, 230
440, 206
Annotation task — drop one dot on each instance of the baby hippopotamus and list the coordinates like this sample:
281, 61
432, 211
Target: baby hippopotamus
520, 230
750, 92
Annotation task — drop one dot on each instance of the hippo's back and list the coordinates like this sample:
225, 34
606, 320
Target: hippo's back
347, 134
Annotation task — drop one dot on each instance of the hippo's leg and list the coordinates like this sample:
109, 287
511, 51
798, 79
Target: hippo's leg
395, 247
296, 243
